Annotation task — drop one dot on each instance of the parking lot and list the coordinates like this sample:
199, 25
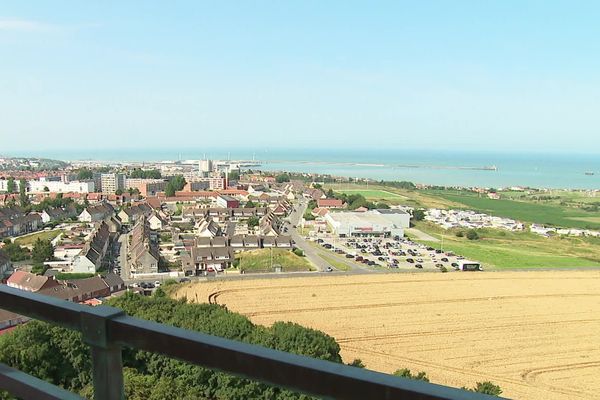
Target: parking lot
393, 253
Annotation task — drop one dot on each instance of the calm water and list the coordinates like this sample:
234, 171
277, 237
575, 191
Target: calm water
419, 166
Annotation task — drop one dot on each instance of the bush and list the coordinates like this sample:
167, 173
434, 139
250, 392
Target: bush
486, 387
406, 373
460, 234
299, 252
443, 269
472, 235
357, 362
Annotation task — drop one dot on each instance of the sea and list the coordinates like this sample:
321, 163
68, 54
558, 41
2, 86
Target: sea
497, 169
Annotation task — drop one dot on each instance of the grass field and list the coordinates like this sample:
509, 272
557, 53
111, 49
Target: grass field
335, 263
501, 249
394, 196
44, 235
525, 211
260, 261
375, 194
533, 333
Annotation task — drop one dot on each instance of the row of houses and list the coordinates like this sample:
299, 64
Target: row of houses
193, 212
79, 291
76, 290
14, 222
218, 254
143, 253
448, 219
93, 254
549, 231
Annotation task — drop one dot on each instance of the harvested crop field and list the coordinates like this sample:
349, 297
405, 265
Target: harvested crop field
534, 333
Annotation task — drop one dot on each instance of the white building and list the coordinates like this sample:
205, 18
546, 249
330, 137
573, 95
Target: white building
45, 185
110, 183
383, 222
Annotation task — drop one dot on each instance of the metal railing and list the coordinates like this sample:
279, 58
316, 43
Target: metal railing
107, 329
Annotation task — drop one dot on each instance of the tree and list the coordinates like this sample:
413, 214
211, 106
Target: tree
330, 194
170, 190
15, 252
250, 204
418, 215
11, 187
234, 175
23, 198
84, 174
281, 178
42, 251
46, 189
472, 234
119, 192
253, 222
382, 206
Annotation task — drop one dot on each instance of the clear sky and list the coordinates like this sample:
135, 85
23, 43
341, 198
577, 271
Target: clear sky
179, 74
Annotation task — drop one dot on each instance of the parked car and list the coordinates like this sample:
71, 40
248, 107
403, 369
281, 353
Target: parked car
410, 260
444, 259
418, 266
349, 256
328, 269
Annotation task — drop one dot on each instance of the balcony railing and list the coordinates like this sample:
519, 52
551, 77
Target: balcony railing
107, 329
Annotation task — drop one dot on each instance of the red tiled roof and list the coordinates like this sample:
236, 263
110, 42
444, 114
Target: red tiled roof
330, 203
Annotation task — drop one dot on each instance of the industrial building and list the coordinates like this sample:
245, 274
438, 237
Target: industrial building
382, 222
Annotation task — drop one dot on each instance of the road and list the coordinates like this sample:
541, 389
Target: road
122, 260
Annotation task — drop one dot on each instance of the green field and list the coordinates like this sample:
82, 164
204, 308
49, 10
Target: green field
260, 261
374, 194
548, 214
508, 250
44, 235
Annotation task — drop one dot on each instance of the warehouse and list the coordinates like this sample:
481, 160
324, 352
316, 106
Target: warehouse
381, 222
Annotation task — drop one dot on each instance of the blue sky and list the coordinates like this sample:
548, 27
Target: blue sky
397, 74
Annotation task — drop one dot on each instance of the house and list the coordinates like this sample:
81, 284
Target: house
157, 222
269, 241
130, 215
89, 288
96, 213
283, 241
313, 194
227, 201
201, 260
58, 214
319, 212
251, 242
237, 241
114, 282
5, 265
207, 227
330, 203
31, 282
9, 320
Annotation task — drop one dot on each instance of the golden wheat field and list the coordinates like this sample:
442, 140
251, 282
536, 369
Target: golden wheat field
536, 334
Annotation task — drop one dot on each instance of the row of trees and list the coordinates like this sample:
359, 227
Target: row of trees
60, 357
145, 174
175, 184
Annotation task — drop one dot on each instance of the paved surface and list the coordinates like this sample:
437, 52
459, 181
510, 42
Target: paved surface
122, 259
312, 252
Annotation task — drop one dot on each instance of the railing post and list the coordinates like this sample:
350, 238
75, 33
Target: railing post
107, 364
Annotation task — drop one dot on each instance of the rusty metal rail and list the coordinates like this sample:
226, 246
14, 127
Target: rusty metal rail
106, 330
